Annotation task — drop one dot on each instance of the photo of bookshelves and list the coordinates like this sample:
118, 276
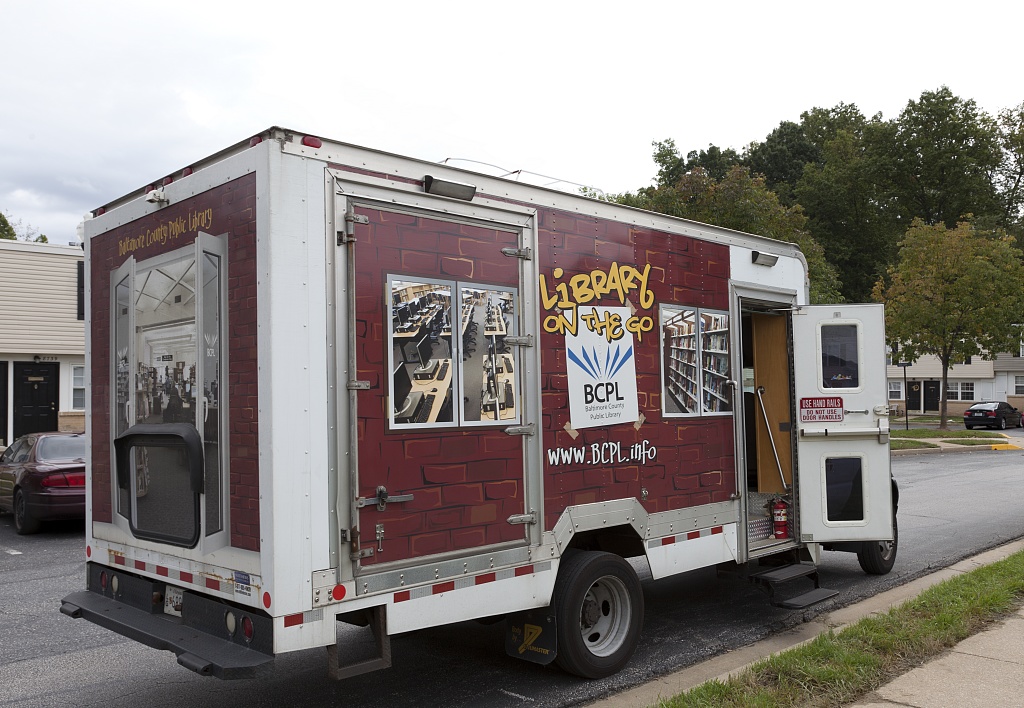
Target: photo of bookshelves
696, 364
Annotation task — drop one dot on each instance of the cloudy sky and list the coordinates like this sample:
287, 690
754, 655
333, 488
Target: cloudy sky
100, 98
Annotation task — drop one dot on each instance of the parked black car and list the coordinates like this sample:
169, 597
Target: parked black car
992, 414
42, 478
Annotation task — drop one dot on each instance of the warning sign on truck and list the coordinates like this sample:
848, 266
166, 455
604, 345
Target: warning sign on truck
821, 410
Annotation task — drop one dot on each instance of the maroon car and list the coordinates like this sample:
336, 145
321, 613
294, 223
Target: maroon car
42, 478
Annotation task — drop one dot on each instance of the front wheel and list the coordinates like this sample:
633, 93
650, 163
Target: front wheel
599, 610
23, 521
878, 557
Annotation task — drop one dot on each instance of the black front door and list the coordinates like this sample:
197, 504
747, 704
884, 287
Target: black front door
914, 396
931, 395
35, 398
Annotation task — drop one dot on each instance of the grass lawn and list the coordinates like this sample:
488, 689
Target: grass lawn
837, 668
908, 444
918, 433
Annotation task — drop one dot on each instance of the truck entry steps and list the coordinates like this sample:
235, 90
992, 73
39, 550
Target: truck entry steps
769, 580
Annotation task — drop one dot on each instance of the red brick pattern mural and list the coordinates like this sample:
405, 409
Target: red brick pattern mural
694, 461
232, 211
465, 481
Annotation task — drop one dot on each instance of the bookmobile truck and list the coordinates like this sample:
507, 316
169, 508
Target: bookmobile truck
335, 387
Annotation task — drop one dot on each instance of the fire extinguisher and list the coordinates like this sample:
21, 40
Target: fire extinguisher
780, 517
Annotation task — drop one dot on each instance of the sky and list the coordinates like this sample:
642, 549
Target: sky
100, 98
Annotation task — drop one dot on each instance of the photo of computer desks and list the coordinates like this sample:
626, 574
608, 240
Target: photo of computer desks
427, 361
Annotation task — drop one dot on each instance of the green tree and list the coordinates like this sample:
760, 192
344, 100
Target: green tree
954, 293
672, 166
1010, 175
741, 201
848, 213
781, 158
6, 230
943, 160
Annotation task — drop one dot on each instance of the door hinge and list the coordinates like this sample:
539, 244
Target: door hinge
358, 385
361, 553
530, 518
528, 429
382, 499
525, 253
348, 235
520, 341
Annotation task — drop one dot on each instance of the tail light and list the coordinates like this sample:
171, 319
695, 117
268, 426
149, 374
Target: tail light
54, 480
247, 629
75, 479
991, 414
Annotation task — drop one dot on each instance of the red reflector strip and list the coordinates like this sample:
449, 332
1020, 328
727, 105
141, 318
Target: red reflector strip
692, 535
185, 577
402, 596
140, 565
443, 587
668, 540
524, 570
485, 578
160, 570
119, 560
212, 584
717, 529
292, 620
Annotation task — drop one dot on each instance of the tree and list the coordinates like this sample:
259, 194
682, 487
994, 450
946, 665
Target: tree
671, 165
781, 158
1010, 175
954, 293
6, 230
944, 157
741, 201
848, 213
14, 231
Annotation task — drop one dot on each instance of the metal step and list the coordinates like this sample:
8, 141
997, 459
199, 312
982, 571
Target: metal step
808, 598
786, 573
769, 580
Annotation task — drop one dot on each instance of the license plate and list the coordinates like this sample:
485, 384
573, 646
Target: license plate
172, 600
978, 414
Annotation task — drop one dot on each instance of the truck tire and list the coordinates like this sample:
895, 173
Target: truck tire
599, 610
23, 521
878, 557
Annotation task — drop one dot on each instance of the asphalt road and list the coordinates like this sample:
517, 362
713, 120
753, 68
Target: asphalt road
952, 505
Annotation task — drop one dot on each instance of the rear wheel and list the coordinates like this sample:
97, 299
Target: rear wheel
878, 557
599, 610
1002, 423
23, 521
969, 427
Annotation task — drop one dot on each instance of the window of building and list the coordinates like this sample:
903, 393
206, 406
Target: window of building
449, 360
78, 388
960, 391
1018, 385
895, 390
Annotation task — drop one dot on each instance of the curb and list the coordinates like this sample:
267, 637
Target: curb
731, 663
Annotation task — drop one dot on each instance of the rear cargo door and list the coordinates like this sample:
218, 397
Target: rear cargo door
443, 429
843, 425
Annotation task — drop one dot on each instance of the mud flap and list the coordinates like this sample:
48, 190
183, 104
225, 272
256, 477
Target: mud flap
530, 635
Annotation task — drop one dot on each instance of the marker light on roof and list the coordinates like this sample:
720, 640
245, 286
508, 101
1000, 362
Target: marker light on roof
168, 180
186, 172
310, 141
255, 140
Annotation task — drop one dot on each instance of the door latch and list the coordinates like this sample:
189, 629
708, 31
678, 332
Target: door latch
382, 499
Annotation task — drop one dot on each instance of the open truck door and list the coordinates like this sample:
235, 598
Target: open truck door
843, 426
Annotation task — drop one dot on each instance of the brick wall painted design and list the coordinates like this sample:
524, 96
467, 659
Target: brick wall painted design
234, 217
695, 458
465, 482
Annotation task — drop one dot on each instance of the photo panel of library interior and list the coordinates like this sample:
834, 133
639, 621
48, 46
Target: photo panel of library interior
696, 361
450, 363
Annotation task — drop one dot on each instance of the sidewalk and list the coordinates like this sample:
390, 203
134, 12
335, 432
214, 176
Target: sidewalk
942, 446
986, 669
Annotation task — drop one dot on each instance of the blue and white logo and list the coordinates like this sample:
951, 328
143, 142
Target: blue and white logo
602, 375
